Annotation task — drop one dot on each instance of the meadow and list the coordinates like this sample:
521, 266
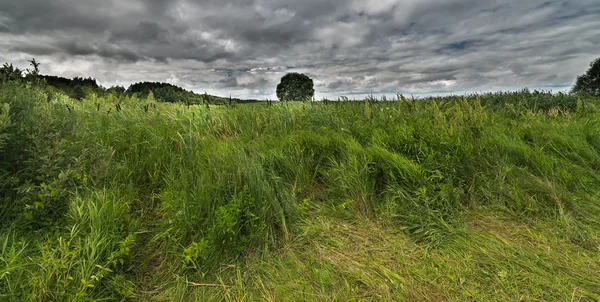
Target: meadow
491, 197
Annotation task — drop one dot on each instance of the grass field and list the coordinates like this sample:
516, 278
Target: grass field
487, 198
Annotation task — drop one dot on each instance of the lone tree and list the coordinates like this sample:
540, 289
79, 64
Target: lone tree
295, 86
590, 81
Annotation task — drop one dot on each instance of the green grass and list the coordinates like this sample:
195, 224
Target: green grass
496, 258
492, 197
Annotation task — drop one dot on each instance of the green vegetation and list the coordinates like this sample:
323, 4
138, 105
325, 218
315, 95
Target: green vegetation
295, 87
79, 88
492, 197
165, 92
590, 81
76, 88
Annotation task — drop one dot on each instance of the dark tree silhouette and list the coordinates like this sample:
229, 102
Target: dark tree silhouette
9, 72
295, 87
35, 65
590, 81
116, 89
164, 92
76, 88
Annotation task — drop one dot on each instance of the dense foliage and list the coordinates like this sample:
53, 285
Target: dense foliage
590, 81
79, 88
10, 73
165, 92
295, 87
161, 201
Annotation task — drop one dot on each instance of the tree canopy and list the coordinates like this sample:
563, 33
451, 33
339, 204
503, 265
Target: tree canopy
164, 92
590, 81
295, 87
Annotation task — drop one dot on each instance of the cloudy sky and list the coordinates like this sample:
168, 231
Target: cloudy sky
349, 47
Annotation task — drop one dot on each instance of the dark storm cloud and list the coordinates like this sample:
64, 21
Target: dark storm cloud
29, 16
76, 48
115, 52
144, 31
348, 47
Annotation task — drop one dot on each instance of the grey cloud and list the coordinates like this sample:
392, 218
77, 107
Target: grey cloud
33, 49
228, 82
76, 48
335, 85
119, 53
144, 31
73, 48
347, 46
260, 84
42, 16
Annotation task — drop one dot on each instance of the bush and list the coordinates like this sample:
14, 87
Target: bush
36, 154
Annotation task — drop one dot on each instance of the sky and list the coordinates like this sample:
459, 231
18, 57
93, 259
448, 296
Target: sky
348, 47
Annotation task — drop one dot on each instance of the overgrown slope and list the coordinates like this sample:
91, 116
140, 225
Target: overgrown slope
494, 197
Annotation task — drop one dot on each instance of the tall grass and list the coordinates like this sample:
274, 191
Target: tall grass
91, 187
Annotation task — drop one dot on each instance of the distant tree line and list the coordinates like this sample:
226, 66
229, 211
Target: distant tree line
165, 92
79, 87
293, 86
